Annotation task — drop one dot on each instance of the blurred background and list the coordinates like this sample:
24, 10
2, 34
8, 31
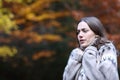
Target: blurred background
37, 36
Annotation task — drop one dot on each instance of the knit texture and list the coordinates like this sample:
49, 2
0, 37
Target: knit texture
92, 64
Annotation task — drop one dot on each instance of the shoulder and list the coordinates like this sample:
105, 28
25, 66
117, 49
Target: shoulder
108, 47
108, 53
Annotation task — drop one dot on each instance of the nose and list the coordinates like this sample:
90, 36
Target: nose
80, 35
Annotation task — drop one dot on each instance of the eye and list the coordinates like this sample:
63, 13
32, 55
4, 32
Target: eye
85, 30
77, 32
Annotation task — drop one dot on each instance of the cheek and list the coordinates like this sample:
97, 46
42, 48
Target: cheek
78, 37
90, 38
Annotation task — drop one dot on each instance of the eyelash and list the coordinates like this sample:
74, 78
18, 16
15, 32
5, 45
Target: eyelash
85, 31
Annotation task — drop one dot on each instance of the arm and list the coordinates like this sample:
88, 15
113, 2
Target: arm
73, 65
90, 64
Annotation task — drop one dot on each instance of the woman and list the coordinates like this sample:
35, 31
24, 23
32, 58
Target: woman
95, 58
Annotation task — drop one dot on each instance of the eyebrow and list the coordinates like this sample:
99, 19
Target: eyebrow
83, 29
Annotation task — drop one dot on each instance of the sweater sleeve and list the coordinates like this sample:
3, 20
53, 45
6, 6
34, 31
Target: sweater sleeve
73, 65
90, 64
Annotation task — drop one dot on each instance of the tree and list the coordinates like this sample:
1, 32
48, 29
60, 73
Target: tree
40, 39
41, 33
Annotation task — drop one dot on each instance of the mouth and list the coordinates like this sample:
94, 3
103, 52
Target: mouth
82, 41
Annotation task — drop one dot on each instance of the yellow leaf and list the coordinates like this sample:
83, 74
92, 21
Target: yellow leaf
42, 54
7, 51
48, 15
52, 37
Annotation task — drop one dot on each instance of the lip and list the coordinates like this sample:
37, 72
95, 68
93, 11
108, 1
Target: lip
82, 41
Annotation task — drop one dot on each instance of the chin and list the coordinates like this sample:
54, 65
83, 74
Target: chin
84, 46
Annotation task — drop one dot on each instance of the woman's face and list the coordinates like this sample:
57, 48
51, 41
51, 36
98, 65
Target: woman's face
85, 34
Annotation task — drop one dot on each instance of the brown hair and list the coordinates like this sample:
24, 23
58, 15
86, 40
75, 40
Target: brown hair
95, 25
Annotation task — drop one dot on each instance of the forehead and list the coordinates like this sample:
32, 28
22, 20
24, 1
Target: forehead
83, 25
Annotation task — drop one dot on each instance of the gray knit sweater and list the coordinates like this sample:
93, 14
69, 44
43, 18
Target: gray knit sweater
92, 64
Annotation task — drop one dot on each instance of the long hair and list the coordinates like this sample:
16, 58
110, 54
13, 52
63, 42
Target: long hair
97, 27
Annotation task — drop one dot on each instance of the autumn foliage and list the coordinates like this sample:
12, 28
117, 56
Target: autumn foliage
36, 36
